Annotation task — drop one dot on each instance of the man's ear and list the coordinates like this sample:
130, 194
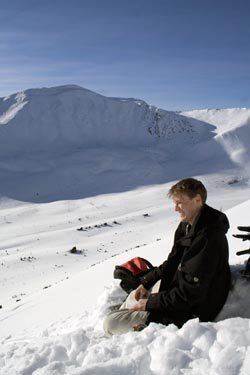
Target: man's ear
198, 199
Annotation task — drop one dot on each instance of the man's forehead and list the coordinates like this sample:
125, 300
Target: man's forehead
181, 198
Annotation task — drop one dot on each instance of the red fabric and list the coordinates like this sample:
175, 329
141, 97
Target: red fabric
136, 265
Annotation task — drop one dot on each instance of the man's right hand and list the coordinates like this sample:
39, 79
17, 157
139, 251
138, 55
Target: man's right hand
141, 293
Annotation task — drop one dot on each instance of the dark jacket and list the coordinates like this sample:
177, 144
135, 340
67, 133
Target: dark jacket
195, 279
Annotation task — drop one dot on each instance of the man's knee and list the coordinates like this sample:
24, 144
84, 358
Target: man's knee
109, 325
115, 322
122, 321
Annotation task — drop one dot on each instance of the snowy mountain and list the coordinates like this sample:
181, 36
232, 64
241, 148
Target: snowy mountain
70, 116
51, 134
78, 169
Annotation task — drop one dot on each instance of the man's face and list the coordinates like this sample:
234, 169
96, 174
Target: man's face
188, 208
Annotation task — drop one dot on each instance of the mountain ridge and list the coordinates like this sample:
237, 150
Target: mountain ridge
82, 144
69, 115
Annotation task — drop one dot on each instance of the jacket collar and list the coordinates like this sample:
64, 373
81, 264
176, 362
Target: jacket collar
188, 234
208, 217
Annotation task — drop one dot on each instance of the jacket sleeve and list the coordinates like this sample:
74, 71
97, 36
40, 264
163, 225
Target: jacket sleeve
193, 278
166, 270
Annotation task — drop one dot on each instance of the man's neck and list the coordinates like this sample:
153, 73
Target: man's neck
195, 217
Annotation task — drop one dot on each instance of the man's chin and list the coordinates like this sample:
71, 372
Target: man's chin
183, 219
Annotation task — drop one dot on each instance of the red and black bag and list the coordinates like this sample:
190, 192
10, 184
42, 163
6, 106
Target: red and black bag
131, 271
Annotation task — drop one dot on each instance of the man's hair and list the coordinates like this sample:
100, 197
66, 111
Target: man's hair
190, 187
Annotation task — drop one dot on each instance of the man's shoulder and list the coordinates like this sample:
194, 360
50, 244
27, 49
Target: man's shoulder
212, 218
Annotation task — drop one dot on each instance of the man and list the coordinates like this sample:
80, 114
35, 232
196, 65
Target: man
195, 279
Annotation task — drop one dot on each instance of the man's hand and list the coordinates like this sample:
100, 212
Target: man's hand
141, 293
140, 305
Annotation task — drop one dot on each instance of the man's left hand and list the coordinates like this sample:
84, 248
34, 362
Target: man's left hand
140, 305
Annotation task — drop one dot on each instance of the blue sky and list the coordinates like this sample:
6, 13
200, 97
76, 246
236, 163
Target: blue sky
175, 54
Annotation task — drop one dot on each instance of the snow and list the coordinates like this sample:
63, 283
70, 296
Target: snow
12, 112
232, 127
103, 190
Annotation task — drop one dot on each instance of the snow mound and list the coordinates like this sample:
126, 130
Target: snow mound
78, 346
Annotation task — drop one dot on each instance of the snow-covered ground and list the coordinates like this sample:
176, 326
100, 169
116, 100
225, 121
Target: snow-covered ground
110, 203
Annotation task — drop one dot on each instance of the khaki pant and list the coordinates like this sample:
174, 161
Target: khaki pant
123, 320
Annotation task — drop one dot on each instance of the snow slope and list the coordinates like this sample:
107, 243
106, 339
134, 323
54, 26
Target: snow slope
232, 130
79, 169
59, 330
